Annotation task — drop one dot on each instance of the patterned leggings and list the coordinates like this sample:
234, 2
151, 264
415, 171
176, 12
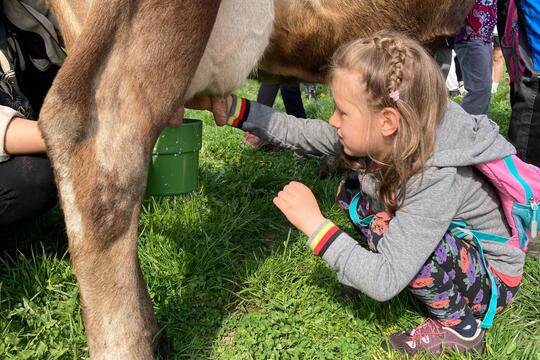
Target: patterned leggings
453, 283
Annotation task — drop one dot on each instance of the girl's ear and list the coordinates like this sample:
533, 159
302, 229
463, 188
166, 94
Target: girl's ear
389, 121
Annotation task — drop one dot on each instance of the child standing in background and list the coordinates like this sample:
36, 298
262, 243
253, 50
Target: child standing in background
412, 156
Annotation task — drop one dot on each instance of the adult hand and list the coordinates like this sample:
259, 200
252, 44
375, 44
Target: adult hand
298, 204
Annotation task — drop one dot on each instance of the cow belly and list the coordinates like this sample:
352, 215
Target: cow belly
240, 35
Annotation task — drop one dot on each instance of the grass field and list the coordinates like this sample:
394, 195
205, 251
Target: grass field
229, 277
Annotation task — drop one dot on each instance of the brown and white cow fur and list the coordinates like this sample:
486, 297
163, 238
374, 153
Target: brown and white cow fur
131, 66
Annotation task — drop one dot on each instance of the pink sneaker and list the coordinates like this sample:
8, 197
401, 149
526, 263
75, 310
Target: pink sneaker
257, 143
431, 337
252, 140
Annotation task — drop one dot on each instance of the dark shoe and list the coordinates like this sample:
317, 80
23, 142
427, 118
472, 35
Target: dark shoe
349, 292
272, 148
431, 337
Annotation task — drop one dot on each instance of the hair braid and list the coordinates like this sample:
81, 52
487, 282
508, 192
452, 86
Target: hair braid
397, 53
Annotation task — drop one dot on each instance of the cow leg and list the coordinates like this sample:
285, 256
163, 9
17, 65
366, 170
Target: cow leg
120, 85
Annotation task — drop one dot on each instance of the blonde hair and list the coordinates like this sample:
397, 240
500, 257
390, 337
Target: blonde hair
388, 62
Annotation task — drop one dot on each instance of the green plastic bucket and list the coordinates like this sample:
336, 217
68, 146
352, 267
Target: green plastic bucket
174, 166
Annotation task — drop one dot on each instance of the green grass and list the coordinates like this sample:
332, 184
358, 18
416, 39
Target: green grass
229, 277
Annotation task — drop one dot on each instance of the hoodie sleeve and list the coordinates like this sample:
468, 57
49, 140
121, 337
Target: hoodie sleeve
309, 136
412, 235
6, 115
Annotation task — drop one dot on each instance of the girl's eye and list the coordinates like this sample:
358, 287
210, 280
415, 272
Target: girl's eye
341, 113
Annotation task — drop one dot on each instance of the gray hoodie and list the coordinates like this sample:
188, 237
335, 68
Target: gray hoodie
449, 189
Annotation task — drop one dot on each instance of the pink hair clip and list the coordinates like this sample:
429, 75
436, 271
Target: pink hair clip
394, 95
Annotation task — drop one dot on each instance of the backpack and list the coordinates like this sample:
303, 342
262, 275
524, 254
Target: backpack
517, 184
510, 43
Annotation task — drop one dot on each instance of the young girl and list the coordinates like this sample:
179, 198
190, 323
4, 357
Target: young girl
412, 156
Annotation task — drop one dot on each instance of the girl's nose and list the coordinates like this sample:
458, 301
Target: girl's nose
334, 120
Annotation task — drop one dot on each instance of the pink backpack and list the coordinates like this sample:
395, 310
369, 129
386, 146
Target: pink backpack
518, 186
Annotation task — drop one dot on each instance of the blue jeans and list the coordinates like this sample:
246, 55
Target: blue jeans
475, 59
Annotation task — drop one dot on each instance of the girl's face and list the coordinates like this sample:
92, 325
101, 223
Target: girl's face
358, 128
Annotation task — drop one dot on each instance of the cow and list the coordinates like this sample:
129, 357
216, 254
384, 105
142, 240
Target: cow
132, 64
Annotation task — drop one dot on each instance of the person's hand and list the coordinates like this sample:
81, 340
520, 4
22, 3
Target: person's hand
219, 105
298, 204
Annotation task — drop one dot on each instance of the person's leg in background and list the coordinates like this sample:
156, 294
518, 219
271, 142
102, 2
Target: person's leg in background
530, 14
498, 61
290, 93
443, 57
452, 84
292, 99
311, 91
519, 32
459, 76
475, 59
267, 93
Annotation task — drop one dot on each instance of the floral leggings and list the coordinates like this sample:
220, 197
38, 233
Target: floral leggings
454, 283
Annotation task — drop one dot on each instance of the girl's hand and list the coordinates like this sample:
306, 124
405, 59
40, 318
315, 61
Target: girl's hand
298, 204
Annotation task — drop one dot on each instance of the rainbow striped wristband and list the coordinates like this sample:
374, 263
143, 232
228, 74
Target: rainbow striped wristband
239, 112
322, 239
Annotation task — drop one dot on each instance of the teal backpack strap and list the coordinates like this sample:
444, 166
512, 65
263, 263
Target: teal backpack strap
458, 229
353, 212
487, 322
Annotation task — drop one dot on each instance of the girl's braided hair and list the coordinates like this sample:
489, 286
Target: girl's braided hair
397, 72
397, 53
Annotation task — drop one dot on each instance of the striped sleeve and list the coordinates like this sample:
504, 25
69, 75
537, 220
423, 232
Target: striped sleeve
323, 237
239, 112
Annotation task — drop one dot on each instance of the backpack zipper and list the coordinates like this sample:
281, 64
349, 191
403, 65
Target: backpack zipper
534, 222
